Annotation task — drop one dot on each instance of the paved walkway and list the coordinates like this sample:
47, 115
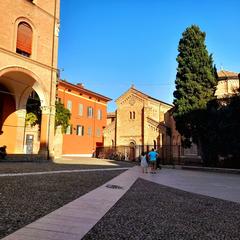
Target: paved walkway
75, 219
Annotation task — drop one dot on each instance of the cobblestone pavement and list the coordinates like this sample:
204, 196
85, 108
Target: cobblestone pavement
67, 163
152, 211
26, 198
166, 205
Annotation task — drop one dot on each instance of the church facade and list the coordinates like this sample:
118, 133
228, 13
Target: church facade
138, 123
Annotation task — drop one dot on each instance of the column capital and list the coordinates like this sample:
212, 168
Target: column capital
48, 110
21, 113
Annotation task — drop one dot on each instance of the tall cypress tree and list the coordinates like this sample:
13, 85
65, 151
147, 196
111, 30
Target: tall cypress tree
195, 84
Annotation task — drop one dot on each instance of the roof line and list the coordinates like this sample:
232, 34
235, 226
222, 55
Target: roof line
151, 97
85, 90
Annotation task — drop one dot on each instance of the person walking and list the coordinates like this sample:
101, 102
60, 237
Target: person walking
144, 163
153, 160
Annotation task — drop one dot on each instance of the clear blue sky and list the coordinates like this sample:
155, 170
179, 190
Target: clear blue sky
110, 44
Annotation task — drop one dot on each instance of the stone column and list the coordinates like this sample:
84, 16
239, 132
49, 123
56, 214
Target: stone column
20, 131
47, 131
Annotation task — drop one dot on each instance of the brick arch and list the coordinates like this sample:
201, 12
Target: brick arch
36, 86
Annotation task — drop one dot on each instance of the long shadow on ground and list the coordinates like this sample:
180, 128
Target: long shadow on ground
23, 199
24, 167
152, 211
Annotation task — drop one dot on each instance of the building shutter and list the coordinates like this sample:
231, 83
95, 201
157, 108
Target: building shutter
24, 38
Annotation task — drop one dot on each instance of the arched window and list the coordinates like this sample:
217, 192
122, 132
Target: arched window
130, 115
133, 115
24, 39
154, 144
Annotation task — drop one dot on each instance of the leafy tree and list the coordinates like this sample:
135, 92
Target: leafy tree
34, 113
195, 85
62, 116
223, 130
31, 119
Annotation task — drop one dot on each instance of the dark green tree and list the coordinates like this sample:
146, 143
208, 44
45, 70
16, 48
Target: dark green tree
62, 116
195, 86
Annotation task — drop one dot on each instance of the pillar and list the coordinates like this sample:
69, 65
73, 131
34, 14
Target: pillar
47, 131
20, 131
44, 131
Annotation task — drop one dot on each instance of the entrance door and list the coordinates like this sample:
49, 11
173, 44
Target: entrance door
132, 154
29, 143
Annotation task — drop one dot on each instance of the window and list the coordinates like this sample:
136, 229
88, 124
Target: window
80, 109
24, 39
99, 114
69, 105
90, 112
69, 130
132, 115
98, 132
90, 131
80, 130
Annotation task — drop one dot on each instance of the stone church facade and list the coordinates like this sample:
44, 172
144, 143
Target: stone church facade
139, 122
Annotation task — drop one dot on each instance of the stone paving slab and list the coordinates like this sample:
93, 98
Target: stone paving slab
219, 185
75, 219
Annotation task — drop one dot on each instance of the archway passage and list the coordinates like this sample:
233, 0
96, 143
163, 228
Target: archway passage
17, 97
32, 124
7, 117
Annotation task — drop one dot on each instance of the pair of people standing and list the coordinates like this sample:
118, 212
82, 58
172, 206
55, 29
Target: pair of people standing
152, 155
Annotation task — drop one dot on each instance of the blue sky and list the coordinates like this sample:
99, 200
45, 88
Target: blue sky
110, 44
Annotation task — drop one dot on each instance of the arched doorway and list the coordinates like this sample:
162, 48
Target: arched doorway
16, 86
32, 124
132, 152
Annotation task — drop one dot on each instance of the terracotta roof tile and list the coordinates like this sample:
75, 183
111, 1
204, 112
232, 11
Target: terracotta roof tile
226, 74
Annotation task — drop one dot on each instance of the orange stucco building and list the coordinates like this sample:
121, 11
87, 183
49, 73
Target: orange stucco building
28, 62
88, 119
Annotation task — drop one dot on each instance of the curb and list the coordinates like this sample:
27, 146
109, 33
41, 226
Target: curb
208, 169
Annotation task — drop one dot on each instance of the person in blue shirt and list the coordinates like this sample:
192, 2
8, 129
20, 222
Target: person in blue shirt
153, 160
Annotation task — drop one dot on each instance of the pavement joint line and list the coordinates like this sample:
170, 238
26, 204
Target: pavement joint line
62, 171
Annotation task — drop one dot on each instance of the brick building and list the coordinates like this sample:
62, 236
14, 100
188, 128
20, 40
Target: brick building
28, 63
88, 119
139, 122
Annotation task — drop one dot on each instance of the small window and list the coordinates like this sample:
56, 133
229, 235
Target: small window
80, 109
98, 132
99, 115
24, 39
89, 131
69, 105
80, 130
133, 115
90, 112
154, 144
130, 115
69, 130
